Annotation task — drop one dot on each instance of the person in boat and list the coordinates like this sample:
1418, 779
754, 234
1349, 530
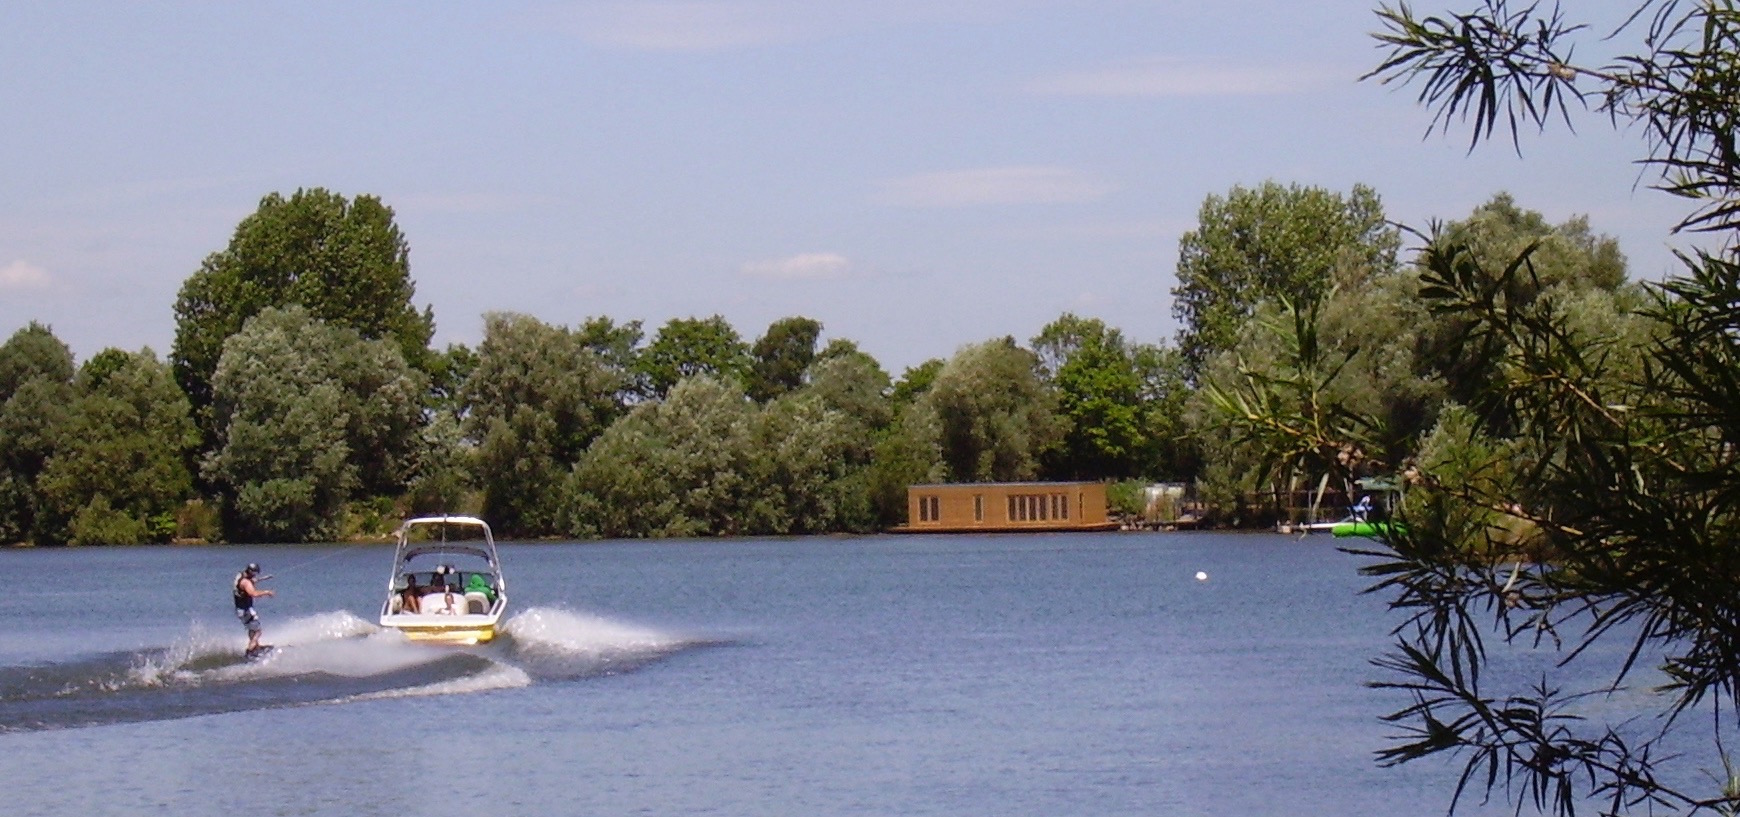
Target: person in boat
479, 583
1362, 509
442, 582
247, 589
411, 598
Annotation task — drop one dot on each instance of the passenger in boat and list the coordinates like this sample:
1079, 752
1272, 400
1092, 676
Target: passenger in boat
246, 589
441, 583
479, 583
411, 598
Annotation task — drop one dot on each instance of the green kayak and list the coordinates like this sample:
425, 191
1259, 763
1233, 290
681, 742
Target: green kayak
1367, 529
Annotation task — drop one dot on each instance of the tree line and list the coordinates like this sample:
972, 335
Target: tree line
302, 400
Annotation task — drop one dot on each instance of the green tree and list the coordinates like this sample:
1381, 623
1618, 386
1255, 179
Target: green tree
120, 467
994, 420
687, 347
916, 381
854, 384
810, 466
1174, 453
678, 467
310, 415
344, 260
36, 372
1099, 392
781, 356
538, 397
1270, 243
619, 347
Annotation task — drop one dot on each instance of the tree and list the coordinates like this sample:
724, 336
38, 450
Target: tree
309, 415
1272, 242
678, 467
993, 418
36, 371
619, 347
1615, 482
854, 384
1099, 392
1174, 452
687, 347
119, 470
538, 397
915, 381
781, 357
343, 260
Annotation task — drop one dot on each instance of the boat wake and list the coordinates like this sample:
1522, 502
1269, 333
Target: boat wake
332, 657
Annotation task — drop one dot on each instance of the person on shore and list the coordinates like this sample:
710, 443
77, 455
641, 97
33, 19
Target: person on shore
246, 590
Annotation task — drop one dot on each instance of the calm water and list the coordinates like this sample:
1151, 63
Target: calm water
1030, 675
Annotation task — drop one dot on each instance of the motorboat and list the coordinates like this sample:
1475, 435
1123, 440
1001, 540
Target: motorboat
446, 586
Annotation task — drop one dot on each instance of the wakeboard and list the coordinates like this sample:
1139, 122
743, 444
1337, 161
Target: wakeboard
260, 652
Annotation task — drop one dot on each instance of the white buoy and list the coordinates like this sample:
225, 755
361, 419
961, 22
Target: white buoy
1201, 576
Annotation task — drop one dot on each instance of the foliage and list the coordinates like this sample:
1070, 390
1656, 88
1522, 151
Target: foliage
707, 461
1270, 243
36, 370
675, 468
120, 465
33, 353
1099, 392
309, 414
619, 347
781, 357
688, 347
992, 417
1174, 452
540, 394
1607, 463
916, 381
343, 260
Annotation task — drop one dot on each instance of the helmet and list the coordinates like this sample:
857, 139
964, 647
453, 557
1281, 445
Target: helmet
251, 569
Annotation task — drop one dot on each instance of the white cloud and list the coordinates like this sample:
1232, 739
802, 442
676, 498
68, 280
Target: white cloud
22, 275
806, 266
994, 185
1171, 77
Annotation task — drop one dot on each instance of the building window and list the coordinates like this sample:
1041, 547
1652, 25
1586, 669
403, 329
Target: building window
1012, 504
1063, 506
928, 509
978, 508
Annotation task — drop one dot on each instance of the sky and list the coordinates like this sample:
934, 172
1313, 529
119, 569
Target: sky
917, 175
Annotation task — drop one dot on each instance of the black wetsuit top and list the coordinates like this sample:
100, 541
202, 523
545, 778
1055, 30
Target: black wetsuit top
243, 600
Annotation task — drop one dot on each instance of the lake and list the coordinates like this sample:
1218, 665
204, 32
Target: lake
1070, 674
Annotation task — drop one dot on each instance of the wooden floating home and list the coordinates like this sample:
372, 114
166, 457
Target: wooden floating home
1002, 507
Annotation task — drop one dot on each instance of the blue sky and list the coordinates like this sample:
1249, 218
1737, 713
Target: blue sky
915, 175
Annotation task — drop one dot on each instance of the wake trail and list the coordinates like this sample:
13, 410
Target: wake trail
332, 657
559, 644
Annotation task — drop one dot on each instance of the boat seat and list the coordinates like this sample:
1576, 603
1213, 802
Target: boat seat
476, 603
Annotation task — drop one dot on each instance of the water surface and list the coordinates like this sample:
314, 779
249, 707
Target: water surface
966, 675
